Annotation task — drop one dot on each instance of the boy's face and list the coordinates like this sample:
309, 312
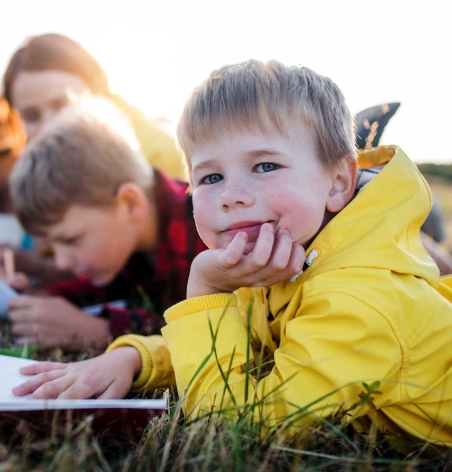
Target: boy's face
93, 241
243, 180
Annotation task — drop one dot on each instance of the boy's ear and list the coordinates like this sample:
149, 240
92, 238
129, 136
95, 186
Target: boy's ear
343, 185
133, 199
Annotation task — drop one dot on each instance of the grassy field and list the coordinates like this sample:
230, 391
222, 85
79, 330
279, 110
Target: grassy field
64, 441
442, 191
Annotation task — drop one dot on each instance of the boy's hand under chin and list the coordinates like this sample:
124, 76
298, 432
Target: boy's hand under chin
53, 321
274, 258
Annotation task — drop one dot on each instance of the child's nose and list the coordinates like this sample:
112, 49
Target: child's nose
47, 116
64, 261
236, 196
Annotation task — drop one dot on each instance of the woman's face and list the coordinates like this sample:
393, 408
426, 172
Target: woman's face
39, 96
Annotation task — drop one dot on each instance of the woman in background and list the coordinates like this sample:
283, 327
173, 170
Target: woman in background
39, 76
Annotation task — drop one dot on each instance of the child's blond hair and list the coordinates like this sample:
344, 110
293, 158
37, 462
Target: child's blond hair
260, 95
81, 158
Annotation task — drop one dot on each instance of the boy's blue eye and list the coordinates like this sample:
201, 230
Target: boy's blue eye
266, 167
212, 179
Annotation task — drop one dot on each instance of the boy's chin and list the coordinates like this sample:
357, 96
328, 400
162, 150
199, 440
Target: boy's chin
100, 280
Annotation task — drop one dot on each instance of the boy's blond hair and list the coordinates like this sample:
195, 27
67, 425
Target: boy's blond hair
260, 95
81, 158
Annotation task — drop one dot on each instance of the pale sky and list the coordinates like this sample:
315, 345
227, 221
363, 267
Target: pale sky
156, 52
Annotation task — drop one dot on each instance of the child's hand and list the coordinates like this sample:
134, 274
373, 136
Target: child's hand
272, 260
107, 376
20, 282
53, 321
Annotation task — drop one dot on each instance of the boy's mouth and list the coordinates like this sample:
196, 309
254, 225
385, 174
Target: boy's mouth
251, 228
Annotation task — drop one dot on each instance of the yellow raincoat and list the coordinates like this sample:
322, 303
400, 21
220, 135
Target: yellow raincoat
368, 308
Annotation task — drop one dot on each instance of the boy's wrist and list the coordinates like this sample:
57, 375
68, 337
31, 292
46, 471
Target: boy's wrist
138, 358
133, 358
196, 289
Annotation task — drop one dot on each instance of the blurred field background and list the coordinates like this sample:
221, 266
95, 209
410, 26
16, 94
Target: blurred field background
439, 177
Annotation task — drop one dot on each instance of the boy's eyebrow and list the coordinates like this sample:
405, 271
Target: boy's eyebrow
249, 154
204, 164
262, 152
63, 237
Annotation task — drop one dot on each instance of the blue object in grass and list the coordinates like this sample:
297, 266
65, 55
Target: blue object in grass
6, 294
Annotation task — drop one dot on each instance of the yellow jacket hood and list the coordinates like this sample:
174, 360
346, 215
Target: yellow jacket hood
380, 227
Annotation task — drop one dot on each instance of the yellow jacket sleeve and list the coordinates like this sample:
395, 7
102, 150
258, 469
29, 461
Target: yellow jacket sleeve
329, 348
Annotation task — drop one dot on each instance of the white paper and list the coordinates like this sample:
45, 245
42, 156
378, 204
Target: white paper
11, 377
6, 294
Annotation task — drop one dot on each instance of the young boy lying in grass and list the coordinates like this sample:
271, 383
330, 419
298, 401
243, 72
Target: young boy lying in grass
125, 230
342, 290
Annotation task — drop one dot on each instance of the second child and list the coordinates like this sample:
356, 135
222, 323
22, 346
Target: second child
124, 229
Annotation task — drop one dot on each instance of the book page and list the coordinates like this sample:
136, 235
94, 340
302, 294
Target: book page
11, 377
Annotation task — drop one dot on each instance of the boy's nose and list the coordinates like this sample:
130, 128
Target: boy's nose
63, 261
47, 116
236, 196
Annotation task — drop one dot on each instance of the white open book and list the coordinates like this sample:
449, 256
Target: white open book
11, 377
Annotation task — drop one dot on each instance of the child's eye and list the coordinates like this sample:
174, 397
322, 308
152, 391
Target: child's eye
71, 241
212, 179
266, 167
30, 115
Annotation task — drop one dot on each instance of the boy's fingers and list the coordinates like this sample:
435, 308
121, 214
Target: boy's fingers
294, 266
110, 393
282, 251
41, 367
20, 329
37, 382
52, 388
21, 301
263, 248
19, 315
234, 252
77, 391
297, 258
20, 281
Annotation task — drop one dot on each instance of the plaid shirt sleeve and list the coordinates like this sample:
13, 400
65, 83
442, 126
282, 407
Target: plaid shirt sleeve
78, 291
133, 321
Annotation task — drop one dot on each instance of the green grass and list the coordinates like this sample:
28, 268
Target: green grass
229, 440
220, 445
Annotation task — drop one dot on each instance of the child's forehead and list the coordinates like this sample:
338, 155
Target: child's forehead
250, 136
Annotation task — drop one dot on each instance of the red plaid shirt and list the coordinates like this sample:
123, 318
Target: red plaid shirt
149, 283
